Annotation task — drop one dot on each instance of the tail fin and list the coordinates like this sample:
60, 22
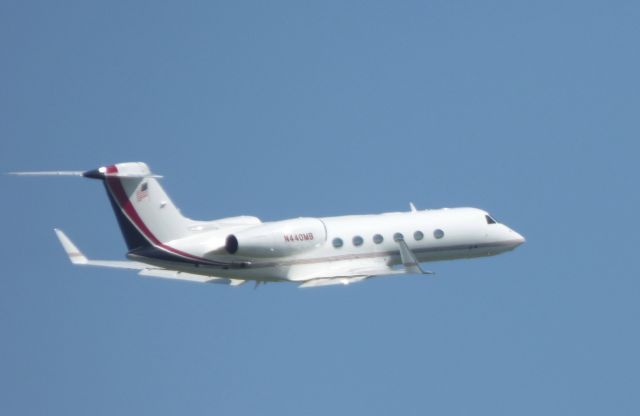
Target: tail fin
144, 211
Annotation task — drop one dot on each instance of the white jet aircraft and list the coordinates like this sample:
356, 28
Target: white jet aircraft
307, 251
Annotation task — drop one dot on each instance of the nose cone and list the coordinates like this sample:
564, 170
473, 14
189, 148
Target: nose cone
517, 239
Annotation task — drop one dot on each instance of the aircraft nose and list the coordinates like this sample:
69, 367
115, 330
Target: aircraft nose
518, 239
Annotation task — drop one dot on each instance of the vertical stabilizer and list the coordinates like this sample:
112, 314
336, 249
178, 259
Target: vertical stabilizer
145, 213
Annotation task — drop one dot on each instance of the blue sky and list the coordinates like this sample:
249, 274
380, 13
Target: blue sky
284, 109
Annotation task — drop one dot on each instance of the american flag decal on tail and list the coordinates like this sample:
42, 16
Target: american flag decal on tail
142, 192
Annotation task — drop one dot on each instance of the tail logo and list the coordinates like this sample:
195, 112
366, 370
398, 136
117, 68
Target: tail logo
142, 192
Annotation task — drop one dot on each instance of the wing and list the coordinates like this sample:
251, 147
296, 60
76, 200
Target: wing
190, 277
329, 281
77, 258
329, 276
342, 275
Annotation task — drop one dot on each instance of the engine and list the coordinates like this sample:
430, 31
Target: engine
277, 239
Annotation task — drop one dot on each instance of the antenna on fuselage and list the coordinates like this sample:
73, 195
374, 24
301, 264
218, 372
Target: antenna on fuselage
413, 207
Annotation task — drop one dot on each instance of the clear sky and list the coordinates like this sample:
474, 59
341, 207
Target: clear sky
284, 109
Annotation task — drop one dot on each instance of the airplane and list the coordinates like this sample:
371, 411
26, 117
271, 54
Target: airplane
310, 252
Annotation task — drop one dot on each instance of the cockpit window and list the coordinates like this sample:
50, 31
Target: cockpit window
490, 220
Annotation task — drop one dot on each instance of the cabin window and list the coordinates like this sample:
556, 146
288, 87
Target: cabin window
418, 235
490, 220
398, 237
357, 241
337, 242
378, 239
438, 233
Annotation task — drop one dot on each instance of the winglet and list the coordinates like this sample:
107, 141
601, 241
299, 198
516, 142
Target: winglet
75, 255
409, 260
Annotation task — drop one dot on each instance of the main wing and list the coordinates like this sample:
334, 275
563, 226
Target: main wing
342, 275
77, 258
314, 276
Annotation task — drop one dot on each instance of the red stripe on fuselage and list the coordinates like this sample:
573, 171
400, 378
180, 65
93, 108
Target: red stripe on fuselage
117, 190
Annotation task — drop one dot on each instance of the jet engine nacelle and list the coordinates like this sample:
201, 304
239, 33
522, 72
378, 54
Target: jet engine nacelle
276, 239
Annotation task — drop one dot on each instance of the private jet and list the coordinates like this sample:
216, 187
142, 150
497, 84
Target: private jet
309, 252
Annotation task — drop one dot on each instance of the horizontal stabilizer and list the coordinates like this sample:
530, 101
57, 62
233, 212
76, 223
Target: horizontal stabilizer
96, 174
48, 173
141, 175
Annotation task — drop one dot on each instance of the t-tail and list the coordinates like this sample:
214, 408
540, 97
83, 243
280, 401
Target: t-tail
145, 213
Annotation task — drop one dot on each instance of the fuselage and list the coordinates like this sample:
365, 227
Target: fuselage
304, 248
